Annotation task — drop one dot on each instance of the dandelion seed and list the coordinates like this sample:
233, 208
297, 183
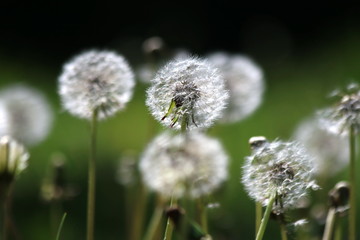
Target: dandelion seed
245, 81
187, 91
328, 150
13, 159
280, 168
93, 80
28, 115
186, 164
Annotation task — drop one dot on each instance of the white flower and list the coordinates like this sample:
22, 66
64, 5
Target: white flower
13, 158
185, 164
280, 168
28, 114
187, 91
93, 80
330, 151
245, 81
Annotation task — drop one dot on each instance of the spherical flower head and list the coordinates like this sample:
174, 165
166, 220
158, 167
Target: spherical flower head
13, 159
345, 113
96, 80
184, 165
328, 150
245, 81
28, 117
187, 91
280, 168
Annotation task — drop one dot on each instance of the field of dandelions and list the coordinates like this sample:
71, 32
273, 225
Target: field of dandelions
180, 145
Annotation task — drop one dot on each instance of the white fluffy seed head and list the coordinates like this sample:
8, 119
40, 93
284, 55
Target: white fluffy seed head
345, 113
28, 115
245, 81
187, 90
328, 150
184, 165
13, 159
281, 168
100, 80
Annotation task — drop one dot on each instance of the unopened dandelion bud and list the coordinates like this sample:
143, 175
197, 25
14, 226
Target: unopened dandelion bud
283, 169
96, 80
339, 195
187, 92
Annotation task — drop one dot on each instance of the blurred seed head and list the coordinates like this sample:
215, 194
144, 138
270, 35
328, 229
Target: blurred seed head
126, 171
328, 150
187, 89
153, 44
186, 164
95, 79
281, 168
245, 81
13, 159
345, 113
28, 117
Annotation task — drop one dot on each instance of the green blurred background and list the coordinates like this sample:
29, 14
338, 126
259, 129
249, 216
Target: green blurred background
305, 52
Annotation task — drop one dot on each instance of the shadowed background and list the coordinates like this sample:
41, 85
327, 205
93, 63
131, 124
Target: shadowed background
305, 52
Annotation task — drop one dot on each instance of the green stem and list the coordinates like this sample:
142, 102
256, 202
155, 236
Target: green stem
352, 211
258, 216
155, 221
283, 231
92, 178
265, 219
138, 214
60, 226
330, 223
203, 216
338, 230
169, 226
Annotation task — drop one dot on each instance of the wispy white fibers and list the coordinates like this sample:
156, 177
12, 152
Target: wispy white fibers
95, 79
185, 164
187, 91
29, 116
330, 151
346, 112
281, 168
245, 81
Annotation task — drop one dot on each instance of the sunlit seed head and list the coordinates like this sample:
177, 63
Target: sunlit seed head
100, 80
184, 165
345, 113
29, 117
13, 159
280, 168
245, 81
328, 150
187, 90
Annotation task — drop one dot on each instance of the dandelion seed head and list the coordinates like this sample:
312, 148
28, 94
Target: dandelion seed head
186, 164
328, 150
95, 79
13, 158
281, 168
345, 113
187, 89
245, 81
29, 117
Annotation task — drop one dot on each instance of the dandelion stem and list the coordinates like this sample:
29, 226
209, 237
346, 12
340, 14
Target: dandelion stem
258, 216
169, 226
352, 211
265, 219
154, 221
283, 231
138, 213
330, 223
92, 178
60, 226
203, 216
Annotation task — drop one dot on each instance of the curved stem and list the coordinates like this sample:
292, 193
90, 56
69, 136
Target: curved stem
265, 219
352, 211
92, 178
169, 226
155, 221
329, 226
283, 231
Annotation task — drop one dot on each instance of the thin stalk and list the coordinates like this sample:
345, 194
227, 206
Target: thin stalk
338, 230
258, 216
203, 216
138, 214
330, 223
60, 226
91, 178
283, 231
6, 205
154, 221
169, 226
352, 211
265, 219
